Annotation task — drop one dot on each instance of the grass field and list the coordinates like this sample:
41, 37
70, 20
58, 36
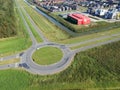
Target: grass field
18, 43
47, 55
87, 72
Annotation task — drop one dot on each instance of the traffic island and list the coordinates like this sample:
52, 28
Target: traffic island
47, 55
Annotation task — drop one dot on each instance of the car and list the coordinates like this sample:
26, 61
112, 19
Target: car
21, 53
24, 65
20, 65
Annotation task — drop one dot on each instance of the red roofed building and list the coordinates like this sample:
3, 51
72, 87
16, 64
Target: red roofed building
78, 19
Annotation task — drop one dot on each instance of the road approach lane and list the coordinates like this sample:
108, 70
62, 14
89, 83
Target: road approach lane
35, 26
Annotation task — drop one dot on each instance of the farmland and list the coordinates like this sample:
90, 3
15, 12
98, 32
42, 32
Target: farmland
88, 71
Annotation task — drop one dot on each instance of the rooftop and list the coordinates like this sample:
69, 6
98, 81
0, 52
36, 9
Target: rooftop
78, 16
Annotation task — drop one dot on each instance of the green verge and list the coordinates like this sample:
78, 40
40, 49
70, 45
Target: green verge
51, 31
94, 42
47, 55
36, 35
90, 36
10, 61
90, 70
18, 43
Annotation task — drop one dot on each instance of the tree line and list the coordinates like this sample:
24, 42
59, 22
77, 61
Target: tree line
7, 19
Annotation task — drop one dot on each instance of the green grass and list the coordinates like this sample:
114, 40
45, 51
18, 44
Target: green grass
36, 35
13, 45
90, 70
18, 43
51, 31
47, 55
13, 80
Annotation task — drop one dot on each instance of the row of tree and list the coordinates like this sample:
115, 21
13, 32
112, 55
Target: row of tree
7, 19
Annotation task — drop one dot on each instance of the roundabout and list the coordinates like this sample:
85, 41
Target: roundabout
61, 63
34, 67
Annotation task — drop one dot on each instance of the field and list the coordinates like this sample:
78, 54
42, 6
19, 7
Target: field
47, 55
17, 43
88, 71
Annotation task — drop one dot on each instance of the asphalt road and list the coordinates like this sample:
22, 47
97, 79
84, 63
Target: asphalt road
94, 39
26, 59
